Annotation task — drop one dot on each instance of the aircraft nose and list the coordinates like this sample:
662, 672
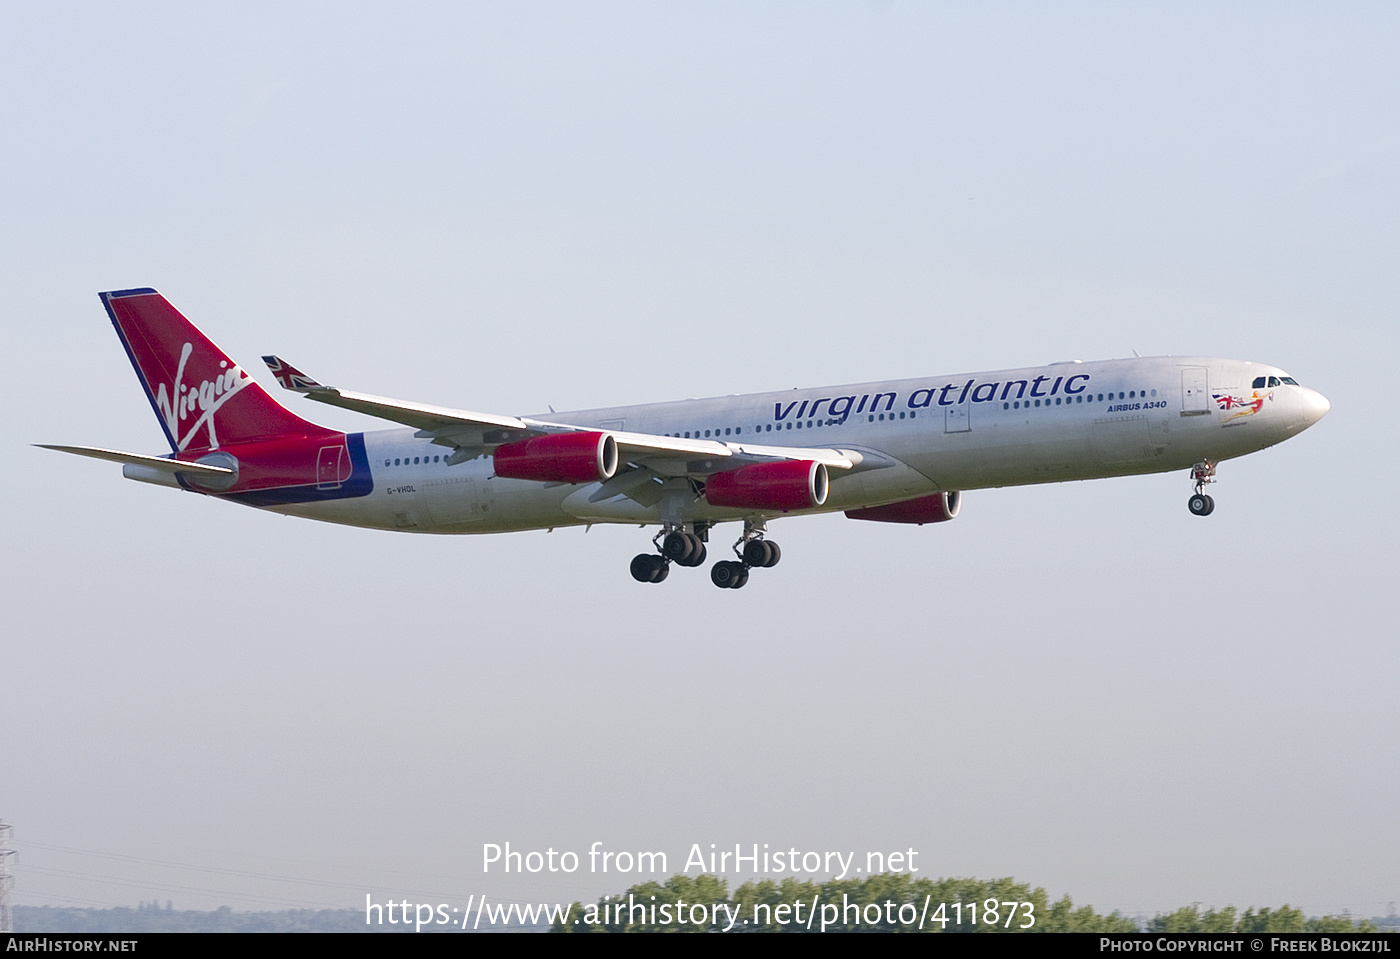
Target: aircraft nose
1315, 406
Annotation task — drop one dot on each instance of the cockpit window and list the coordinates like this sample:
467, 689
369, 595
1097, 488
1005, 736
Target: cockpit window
1290, 381
1259, 382
1274, 381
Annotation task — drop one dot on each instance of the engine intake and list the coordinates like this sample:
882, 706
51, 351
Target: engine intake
559, 458
789, 485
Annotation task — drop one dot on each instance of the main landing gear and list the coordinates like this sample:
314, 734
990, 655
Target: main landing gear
753, 551
675, 545
1201, 504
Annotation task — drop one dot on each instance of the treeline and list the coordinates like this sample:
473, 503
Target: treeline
58, 919
883, 903
120, 919
1282, 919
899, 903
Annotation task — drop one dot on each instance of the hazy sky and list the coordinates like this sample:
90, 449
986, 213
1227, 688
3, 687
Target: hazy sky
501, 207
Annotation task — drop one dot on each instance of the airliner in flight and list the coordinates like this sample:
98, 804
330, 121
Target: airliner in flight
899, 451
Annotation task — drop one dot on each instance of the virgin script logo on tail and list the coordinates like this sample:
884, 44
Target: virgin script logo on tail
181, 402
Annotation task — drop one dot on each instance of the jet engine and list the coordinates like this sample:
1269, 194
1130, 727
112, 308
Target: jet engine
559, 458
938, 508
789, 485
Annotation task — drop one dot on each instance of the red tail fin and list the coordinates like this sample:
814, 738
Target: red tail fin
202, 398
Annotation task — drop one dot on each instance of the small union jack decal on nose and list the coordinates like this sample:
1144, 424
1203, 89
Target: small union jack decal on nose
289, 376
1243, 406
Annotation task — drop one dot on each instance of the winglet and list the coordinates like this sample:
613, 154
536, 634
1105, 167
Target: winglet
289, 376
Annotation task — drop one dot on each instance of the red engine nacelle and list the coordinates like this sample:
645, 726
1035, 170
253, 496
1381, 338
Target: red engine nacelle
938, 508
559, 458
792, 484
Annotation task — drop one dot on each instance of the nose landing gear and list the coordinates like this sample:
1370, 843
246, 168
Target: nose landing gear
1201, 504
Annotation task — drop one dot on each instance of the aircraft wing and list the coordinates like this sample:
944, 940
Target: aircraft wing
471, 433
422, 416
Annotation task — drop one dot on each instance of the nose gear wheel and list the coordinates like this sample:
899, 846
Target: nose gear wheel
1200, 503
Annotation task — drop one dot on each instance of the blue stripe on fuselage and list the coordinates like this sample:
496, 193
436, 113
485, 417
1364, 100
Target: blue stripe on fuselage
360, 483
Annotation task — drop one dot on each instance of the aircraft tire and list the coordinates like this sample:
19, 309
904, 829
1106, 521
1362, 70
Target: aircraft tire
757, 553
678, 546
774, 554
725, 573
641, 567
1201, 505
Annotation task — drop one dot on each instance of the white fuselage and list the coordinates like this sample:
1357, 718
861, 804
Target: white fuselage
915, 437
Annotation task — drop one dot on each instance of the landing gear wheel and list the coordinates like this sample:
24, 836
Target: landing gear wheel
727, 574
1203, 473
774, 554
678, 546
650, 568
700, 553
757, 553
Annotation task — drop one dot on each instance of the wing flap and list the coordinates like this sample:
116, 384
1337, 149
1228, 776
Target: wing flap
421, 416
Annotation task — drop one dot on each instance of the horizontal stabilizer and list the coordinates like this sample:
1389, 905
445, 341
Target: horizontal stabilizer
162, 463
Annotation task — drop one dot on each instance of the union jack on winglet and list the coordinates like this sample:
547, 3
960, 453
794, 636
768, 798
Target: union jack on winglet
289, 376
